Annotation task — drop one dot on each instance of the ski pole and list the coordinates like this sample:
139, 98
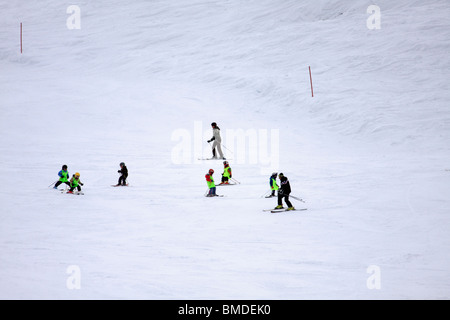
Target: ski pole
52, 184
235, 180
299, 199
227, 148
265, 194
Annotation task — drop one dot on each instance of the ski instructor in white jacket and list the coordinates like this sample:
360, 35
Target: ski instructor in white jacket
217, 141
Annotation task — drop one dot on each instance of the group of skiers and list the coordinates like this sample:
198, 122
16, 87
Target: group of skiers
75, 183
283, 190
226, 176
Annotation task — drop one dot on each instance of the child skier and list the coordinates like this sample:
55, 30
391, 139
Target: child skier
273, 184
63, 177
217, 141
75, 183
210, 183
226, 175
124, 175
283, 192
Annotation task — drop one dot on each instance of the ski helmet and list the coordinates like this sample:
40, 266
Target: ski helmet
64, 167
214, 124
274, 174
77, 174
211, 171
281, 175
122, 164
225, 162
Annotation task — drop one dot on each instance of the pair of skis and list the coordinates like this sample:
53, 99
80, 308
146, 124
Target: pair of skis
79, 193
283, 210
217, 185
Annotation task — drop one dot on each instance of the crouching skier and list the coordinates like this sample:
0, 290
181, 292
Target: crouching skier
226, 175
210, 183
283, 192
75, 183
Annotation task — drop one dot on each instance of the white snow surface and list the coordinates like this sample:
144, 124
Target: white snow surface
369, 152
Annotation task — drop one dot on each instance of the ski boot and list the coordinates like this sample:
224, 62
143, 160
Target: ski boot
290, 209
279, 207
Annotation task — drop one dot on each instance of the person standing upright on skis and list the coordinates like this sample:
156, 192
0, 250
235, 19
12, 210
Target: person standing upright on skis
283, 192
226, 175
217, 142
124, 175
273, 184
210, 183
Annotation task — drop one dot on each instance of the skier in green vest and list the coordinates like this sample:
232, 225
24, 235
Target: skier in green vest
75, 183
273, 184
210, 183
226, 175
63, 177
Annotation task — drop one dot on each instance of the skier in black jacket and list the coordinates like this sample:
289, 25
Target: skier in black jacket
124, 175
283, 192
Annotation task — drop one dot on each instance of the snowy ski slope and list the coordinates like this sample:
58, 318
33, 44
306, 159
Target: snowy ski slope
141, 81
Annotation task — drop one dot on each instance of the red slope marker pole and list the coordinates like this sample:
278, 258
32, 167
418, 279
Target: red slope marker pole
310, 79
21, 38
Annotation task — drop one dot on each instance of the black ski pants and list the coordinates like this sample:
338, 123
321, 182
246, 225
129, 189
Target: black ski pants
73, 188
122, 180
60, 182
286, 198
